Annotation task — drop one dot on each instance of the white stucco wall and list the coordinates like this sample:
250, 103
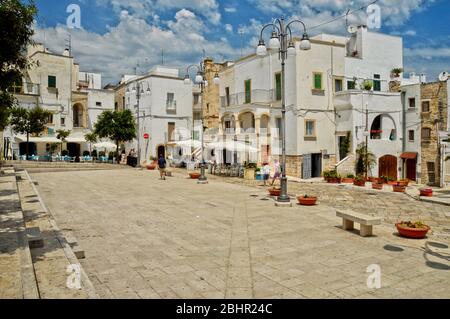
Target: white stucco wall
106, 98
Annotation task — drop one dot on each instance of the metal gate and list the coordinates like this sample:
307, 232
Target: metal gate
307, 166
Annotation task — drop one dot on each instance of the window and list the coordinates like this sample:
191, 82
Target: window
51, 81
278, 87
63, 121
338, 85
171, 131
196, 99
170, 103
116, 106
426, 133
412, 103
351, 85
411, 135
227, 94
377, 82
431, 168
98, 103
426, 107
50, 119
317, 78
310, 128
248, 91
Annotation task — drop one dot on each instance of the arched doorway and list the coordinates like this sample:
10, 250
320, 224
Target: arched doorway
161, 151
388, 167
78, 115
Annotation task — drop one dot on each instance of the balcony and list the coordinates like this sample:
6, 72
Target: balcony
255, 97
171, 107
25, 89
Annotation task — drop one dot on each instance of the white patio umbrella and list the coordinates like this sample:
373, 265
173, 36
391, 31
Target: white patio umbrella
106, 145
234, 146
188, 143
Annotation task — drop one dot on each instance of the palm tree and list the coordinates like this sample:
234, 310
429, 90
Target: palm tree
366, 160
62, 135
91, 138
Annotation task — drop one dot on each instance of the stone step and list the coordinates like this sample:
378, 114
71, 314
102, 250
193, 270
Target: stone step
76, 248
34, 238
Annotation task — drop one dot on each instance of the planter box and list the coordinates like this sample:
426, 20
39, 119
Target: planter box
249, 174
334, 180
413, 232
377, 186
426, 192
310, 201
348, 180
360, 184
399, 189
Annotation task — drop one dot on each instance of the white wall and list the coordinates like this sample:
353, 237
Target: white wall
106, 98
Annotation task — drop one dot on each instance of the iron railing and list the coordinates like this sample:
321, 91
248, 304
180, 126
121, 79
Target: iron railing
25, 89
254, 96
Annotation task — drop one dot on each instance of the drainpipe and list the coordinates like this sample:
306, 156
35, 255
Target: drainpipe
403, 101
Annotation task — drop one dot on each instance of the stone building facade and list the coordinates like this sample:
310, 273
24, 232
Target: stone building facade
211, 98
434, 119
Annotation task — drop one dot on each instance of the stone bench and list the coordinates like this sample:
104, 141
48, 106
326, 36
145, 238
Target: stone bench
34, 238
350, 218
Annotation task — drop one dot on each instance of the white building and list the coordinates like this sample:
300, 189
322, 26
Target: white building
74, 98
165, 112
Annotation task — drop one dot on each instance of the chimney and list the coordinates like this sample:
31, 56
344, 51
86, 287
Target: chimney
423, 78
66, 52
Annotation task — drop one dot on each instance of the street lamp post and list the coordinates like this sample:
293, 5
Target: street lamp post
138, 89
283, 41
201, 80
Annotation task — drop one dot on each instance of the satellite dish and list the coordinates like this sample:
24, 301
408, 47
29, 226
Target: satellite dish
444, 76
352, 29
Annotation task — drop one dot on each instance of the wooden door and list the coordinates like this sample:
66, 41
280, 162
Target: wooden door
411, 169
388, 167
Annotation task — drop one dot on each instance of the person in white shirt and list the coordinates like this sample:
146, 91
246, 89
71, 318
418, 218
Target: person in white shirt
266, 173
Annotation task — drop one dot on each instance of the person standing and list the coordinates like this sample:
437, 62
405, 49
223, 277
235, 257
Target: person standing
277, 174
266, 173
162, 167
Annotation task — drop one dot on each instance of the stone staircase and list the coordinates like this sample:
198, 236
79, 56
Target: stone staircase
346, 166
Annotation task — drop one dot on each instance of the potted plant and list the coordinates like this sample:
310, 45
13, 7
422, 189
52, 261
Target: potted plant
350, 179
367, 85
396, 72
403, 182
152, 165
307, 200
332, 177
365, 160
250, 171
360, 181
398, 188
416, 230
195, 175
426, 192
275, 191
378, 185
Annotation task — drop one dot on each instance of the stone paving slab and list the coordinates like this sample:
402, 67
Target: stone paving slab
146, 238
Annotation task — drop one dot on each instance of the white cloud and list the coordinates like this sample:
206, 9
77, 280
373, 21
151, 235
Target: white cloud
134, 41
229, 28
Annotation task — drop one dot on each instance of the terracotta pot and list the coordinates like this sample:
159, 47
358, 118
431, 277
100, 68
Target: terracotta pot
373, 179
151, 167
309, 201
413, 232
403, 182
393, 183
348, 180
275, 192
426, 192
399, 189
377, 186
360, 183
334, 180
195, 175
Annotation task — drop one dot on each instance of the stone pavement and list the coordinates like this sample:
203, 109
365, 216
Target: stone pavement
146, 238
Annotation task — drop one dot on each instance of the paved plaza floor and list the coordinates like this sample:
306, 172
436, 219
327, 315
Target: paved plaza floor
146, 238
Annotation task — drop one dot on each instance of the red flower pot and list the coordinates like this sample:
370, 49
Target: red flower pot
377, 186
275, 192
151, 167
195, 175
392, 183
334, 180
348, 180
360, 183
373, 179
415, 233
404, 183
399, 189
427, 192
308, 201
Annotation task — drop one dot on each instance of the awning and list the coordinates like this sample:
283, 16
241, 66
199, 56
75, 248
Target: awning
409, 156
48, 139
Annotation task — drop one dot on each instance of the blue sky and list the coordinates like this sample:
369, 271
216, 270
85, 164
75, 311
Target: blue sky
118, 35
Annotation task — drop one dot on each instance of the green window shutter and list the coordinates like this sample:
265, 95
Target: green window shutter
318, 81
350, 85
278, 86
51, 81
248, 91
377, 83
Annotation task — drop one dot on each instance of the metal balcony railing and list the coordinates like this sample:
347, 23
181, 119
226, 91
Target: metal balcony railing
25, 89
171, 106
254, 96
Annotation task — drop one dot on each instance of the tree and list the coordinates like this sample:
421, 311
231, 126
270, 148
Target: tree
16, 31
29, 121
366, 160
118, 126
62, 135
91, 138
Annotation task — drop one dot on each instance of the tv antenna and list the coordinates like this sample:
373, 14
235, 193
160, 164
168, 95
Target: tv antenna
241, 32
